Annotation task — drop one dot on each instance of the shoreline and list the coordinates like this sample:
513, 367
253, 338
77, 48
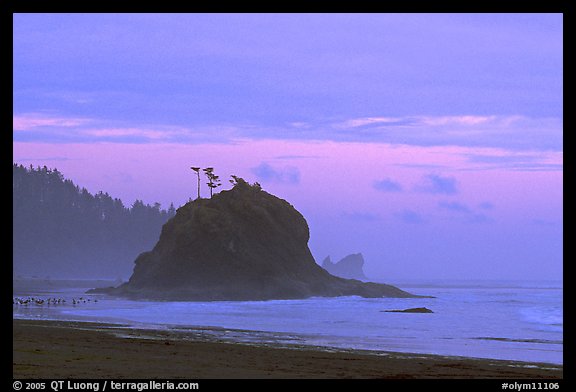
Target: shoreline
69, 349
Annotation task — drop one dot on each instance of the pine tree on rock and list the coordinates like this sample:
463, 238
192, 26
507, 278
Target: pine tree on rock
197, 170
213, 180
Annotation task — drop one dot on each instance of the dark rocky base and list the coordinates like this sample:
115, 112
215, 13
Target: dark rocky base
338, 287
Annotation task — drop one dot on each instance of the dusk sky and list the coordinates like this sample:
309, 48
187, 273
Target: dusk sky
431, 143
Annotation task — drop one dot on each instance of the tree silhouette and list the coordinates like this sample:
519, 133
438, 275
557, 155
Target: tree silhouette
213, 180
235, 179
197, 170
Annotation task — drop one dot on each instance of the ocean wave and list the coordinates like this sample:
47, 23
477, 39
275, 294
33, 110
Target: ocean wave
551, 316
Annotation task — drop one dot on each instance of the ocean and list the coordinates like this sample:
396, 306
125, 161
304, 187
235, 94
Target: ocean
510, 320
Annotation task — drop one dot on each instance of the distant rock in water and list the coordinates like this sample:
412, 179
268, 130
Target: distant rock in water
242, 244
350, 267
411, 310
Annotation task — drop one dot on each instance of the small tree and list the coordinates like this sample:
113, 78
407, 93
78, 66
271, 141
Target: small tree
213, 179
197, 170
234, 180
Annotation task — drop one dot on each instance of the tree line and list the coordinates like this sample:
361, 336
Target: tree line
62, 230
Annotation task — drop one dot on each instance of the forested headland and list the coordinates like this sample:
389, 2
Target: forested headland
61, 230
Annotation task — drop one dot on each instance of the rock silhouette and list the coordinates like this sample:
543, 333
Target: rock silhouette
242, 244
410, 310
349, 267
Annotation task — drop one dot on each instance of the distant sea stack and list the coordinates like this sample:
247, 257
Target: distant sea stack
242, 244
350, 267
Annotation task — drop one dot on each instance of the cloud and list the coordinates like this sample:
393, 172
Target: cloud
387, 185
486, 205
291, 157
526, 161
375, 121
466, 120
434, 183
454, 206
410, 216
428, 166
268, 73
108, 133
63, 129
512, 132
287, 175
30, 121
465, 213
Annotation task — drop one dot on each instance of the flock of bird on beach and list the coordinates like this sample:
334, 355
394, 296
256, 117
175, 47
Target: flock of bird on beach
49, 301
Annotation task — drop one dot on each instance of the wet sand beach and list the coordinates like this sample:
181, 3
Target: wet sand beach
58, 349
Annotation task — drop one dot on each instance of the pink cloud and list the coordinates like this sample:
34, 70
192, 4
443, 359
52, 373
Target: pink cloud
458, 120
155, 135
359, 122
34, 120
446, 121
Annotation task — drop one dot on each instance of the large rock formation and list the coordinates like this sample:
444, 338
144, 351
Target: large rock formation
242, 244
350, 267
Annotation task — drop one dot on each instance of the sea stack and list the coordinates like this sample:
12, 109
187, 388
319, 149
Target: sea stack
241, 244
350, 267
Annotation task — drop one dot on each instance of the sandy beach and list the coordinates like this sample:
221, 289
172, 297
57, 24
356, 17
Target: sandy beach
56, 349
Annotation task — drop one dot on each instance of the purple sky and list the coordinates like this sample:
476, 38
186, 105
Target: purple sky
431, 143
